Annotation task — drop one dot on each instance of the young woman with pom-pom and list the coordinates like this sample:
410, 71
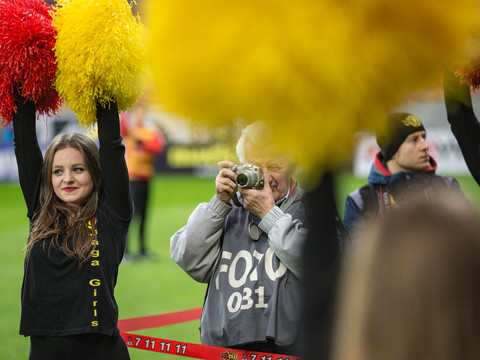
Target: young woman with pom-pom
79, 207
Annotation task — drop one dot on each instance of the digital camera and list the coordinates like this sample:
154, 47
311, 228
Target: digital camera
249, 176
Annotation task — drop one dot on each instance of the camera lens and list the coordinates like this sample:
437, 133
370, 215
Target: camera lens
242, 180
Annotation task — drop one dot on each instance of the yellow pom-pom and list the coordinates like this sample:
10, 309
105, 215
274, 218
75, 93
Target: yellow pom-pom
101, 53
315, 71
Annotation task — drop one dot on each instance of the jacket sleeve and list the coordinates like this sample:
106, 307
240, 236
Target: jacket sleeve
353, 212
115, 180
196, 246
454, 186
463, 122
27, 152
286, 237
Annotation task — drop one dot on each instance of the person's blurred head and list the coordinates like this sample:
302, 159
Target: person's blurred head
256, 146
410, 289
404, 146
141, 107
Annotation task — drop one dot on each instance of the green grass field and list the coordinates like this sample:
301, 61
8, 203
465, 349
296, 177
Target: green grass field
144, 288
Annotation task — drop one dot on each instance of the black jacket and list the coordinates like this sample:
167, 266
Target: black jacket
463, 121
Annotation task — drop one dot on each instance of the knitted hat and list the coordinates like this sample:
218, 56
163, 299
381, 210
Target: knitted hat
400, 126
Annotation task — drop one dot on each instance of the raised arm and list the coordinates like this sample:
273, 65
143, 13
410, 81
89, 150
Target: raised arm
27, 152
112, 158
464, 124
287, 235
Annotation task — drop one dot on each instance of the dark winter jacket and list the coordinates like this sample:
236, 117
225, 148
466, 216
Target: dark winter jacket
385, 191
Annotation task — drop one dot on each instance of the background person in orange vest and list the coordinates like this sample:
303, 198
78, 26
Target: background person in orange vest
143, 142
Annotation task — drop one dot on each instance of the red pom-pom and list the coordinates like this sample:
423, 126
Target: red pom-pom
469, 68
27, 59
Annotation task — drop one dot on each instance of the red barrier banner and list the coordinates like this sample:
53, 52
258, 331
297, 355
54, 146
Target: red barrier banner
196, 351
148, 322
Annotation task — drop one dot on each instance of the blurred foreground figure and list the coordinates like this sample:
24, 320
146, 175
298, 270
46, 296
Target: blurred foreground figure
410, 290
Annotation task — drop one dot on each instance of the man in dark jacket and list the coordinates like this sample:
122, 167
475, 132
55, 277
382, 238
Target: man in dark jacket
402, 170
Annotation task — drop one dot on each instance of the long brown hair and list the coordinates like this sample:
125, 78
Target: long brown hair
55, 217
411, 288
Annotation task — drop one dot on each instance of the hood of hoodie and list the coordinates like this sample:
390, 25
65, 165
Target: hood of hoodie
379, 173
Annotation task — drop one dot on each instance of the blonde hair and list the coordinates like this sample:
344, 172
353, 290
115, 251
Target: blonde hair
410, 290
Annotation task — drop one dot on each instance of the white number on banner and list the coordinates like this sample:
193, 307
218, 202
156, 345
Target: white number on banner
165, 346
150, 344
181, 349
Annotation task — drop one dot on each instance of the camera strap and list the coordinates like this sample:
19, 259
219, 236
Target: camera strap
236, 201
296, 194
